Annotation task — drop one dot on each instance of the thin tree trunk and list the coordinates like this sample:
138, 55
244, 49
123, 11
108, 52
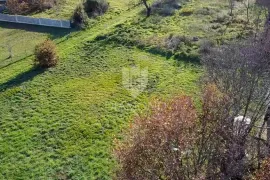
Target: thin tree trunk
148, 11
148, 8
267, 119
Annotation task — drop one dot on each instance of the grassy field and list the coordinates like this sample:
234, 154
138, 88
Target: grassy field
61, 123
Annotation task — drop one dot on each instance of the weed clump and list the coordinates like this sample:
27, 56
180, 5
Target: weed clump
174, 42
187, 11
79, 18
167, 7
206, 46
96, 7
46, 54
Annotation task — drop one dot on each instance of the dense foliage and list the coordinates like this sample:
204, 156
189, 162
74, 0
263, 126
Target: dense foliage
80, 17
28, 6
96, 7
45, 54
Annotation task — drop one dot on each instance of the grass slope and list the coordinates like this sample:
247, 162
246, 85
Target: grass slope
64, 120
61, 123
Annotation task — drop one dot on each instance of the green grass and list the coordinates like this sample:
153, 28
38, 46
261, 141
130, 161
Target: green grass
61, 123
65, 120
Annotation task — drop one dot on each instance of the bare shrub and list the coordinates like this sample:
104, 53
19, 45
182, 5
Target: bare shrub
16, 7
241, 70
158, 144
28, 6
206, 46
45, 54
264, 172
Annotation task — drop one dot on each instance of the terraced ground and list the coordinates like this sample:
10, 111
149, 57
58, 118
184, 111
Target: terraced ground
61, 123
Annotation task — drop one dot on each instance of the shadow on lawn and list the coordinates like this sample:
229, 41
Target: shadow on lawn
21, 78
53, 31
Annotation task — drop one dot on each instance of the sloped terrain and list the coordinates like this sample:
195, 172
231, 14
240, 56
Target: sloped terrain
60, 123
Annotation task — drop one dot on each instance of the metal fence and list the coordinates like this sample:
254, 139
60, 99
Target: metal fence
35, 21
2, 1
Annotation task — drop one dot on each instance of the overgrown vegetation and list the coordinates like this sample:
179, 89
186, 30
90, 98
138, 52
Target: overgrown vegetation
61, 123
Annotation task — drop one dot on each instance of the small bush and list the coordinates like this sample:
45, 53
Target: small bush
28, 6
45, 54
174, 42
167, 11
205, 11
206, 46
96, 7
167, 7
222, 19
79, 17
264, 172
16, 7
187, 11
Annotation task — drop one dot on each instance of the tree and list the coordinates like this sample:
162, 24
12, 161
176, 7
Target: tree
242, 70
247, 5
147, 6
266, 4
231, 6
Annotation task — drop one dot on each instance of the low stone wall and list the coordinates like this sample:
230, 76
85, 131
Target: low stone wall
35, 21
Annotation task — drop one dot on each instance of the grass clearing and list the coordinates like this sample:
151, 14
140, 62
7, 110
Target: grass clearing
64, 120
61, 123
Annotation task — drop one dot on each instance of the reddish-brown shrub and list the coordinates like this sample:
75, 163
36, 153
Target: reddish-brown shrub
28, 6
158, 145
17, 7
264, 172
45, 54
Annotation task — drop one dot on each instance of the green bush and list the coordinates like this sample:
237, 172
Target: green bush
79, 17
45, 54
187, 11
96, 7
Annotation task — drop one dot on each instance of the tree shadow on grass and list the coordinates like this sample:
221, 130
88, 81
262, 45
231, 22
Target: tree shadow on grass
21, 78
